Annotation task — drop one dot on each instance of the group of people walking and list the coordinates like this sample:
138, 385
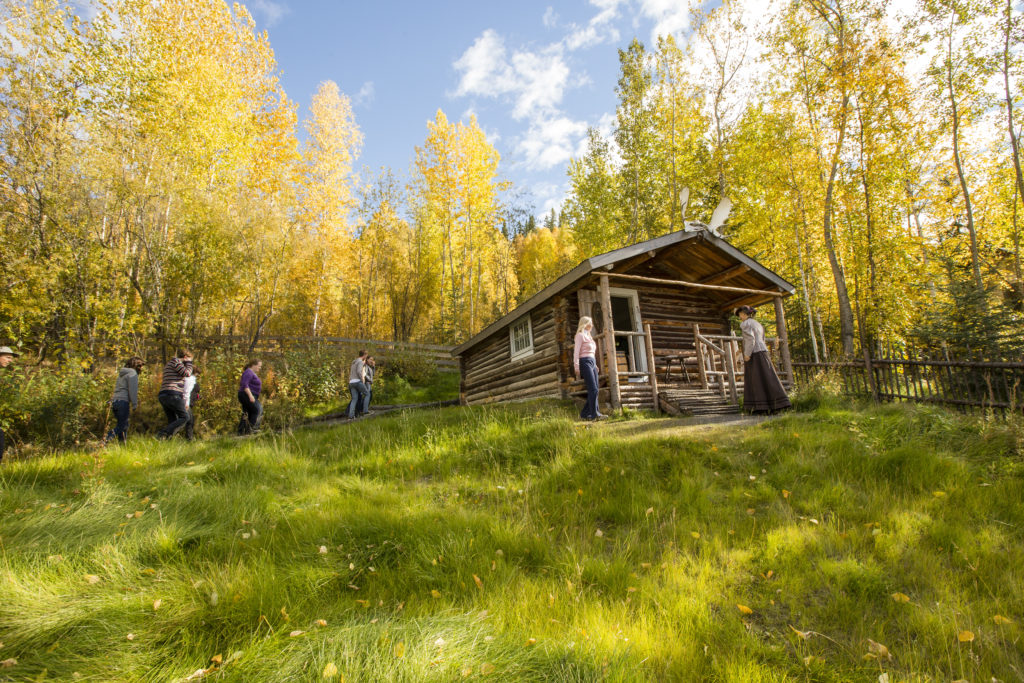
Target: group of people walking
763, 392
178, 396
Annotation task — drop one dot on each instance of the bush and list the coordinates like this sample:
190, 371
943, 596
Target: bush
314, 375
413, 367
823, 389
53, 407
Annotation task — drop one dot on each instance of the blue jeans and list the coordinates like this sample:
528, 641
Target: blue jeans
369, 397
122, 412
588, 371
359, 393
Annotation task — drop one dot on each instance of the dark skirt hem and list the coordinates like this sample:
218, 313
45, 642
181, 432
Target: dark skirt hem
762, 389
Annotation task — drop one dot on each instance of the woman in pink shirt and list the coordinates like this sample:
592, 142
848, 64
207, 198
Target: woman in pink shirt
586, 367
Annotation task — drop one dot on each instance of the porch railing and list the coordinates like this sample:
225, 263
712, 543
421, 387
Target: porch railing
720, 362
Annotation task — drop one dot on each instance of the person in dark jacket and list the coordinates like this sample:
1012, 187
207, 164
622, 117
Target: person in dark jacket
125, 398
7, 356
249, 396
172, 393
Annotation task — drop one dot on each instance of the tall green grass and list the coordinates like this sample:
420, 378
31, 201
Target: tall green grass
515, 543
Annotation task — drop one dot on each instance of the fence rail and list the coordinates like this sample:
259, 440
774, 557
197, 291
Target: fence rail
962, 384
439, 354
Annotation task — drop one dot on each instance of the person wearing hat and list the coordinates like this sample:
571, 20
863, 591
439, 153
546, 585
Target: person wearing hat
7, 355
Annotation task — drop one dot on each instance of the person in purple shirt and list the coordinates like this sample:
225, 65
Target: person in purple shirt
249, 395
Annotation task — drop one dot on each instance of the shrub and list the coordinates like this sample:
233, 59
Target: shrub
54, 407
415, 368
824, 388
313, 375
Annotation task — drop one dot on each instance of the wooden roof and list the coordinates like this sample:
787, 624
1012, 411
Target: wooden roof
686, 255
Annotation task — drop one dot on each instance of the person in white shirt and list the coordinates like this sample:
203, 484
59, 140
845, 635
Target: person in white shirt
191, 395
762, 390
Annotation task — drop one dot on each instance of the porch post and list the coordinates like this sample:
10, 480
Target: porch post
609, 345
651, 368
730, 361
780, 327
701, 368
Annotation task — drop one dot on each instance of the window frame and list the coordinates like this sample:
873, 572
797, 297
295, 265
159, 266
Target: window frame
528, 350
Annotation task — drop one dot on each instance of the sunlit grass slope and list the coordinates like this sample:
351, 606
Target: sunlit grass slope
516, 544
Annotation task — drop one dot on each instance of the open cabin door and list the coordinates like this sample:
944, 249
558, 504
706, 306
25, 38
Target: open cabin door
626, 318
631, 352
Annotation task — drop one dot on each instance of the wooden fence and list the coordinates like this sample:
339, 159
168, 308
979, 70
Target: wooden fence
440, 355
962, 384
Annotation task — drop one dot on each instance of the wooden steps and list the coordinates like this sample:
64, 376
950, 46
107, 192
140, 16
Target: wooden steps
693, 399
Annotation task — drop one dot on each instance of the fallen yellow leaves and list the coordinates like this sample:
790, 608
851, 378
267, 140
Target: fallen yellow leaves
744, 609
965, 636
877, 651
434, 593
296, 634
399, 650
901, 597
1001, 620
479, 583
157, 603
785, 493
321, 622
8, 663
130, 636
92, 579
695, 534
330, 671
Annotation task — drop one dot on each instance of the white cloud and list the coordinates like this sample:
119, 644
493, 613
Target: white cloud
534, 81
550, 142
272, 12
485, 68
671, 17
365, 96
598, 30
550, 18
541, 82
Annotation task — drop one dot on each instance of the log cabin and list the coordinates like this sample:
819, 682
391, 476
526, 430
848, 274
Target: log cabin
661, 311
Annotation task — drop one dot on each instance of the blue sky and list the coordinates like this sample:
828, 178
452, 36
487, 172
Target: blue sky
535, 74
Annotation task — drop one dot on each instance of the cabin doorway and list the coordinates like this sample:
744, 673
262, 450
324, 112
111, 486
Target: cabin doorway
630, 352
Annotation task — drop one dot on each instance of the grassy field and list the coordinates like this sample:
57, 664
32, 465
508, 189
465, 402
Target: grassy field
518, 544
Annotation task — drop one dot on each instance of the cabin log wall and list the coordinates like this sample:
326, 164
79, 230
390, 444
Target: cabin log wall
490, 376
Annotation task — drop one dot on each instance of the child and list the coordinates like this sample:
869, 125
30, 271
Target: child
191, 398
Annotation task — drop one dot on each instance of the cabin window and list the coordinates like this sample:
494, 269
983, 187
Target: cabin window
521, 337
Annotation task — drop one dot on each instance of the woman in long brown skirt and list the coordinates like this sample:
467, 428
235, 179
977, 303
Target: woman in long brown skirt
762, 390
